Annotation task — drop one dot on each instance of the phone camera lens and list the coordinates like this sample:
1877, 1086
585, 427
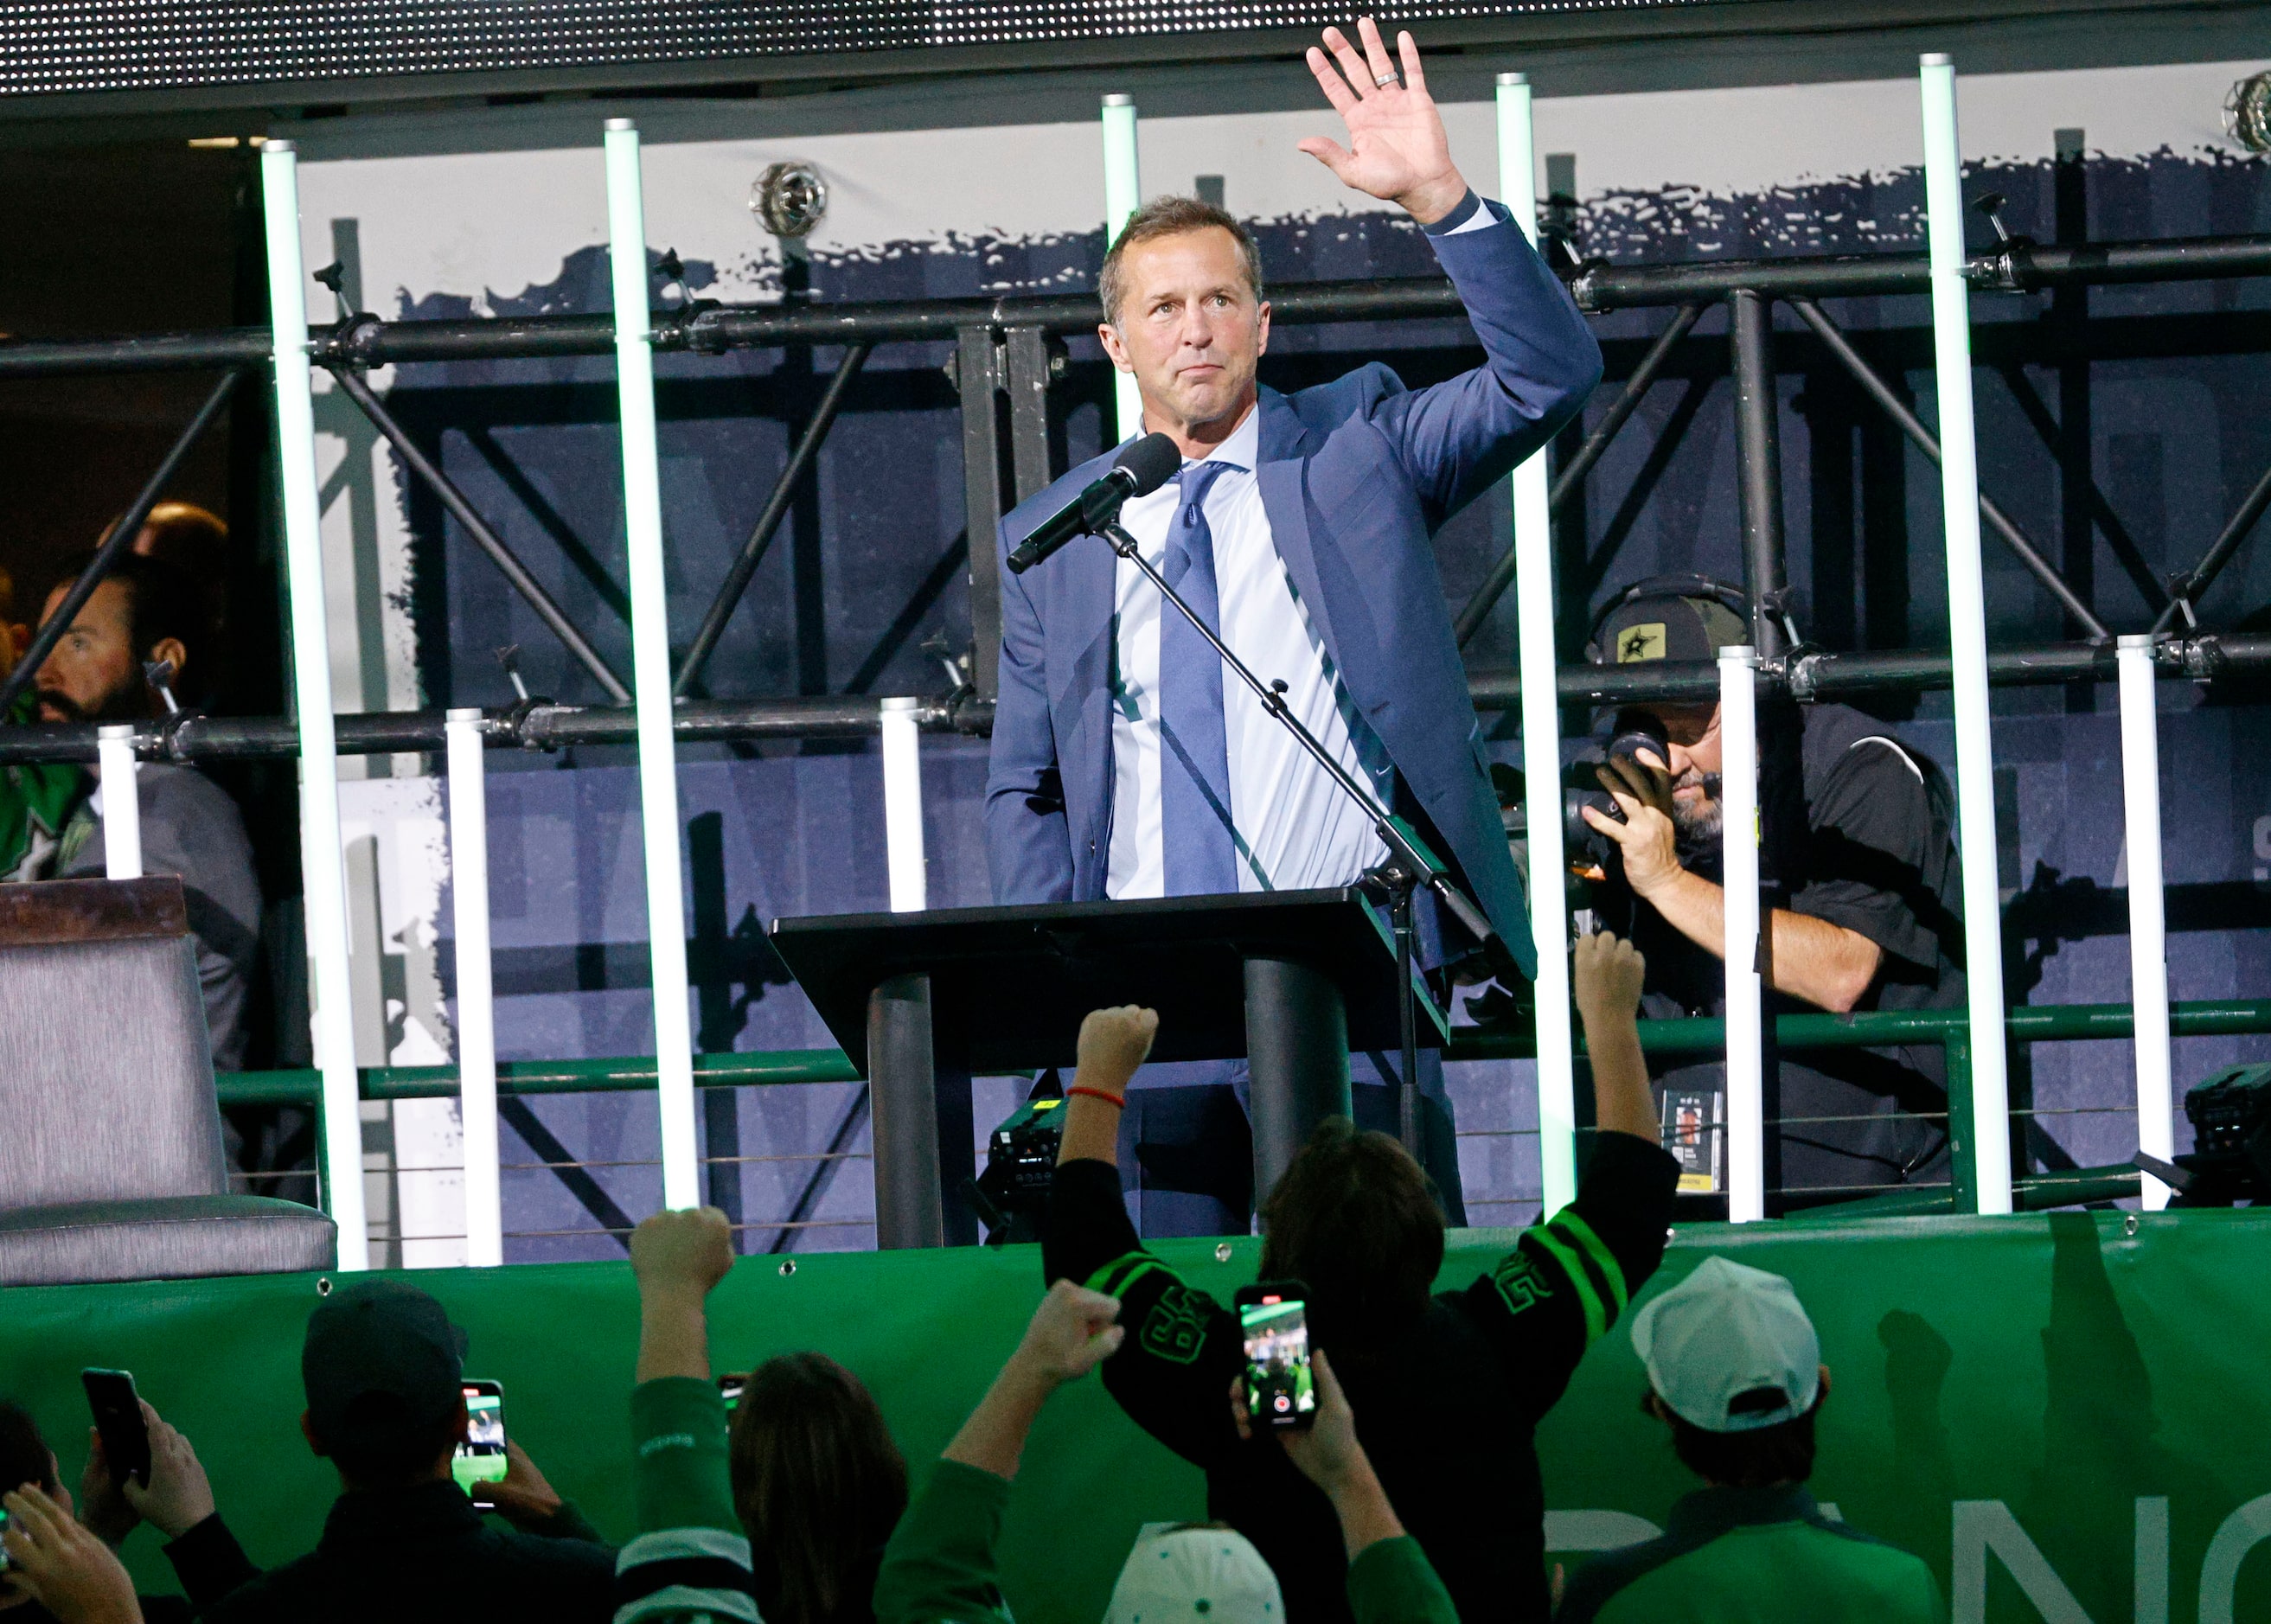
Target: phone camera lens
788, 1268
1222, 1251
323, 1286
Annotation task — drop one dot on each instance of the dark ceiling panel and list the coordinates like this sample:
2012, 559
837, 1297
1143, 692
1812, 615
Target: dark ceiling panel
147, 45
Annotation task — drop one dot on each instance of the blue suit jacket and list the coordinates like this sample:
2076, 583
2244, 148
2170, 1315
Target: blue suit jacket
1356, 476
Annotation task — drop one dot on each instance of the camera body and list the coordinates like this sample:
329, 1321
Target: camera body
2230, 1158
1012, 1194
1584, 848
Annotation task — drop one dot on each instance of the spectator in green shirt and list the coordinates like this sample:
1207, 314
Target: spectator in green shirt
784, 1514
691, 1557
1734, 1370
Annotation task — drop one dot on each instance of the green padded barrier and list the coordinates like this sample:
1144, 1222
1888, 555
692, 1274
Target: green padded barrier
2079, 1387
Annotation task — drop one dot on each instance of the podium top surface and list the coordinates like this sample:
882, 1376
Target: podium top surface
1009, 985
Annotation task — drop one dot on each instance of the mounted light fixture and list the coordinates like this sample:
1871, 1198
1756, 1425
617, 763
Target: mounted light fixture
789, 198
2247, 113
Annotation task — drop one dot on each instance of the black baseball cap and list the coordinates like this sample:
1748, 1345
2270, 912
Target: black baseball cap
1667, 626
381, 1359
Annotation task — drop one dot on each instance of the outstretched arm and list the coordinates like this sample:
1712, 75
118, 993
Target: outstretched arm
1072, 1332
940, 1566
1397, 150
677, 1257
1607, 981
1183, 1343
1113, 1045
1460, 437
1571, 1276
678, 1421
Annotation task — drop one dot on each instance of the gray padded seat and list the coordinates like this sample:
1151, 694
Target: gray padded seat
111, 1165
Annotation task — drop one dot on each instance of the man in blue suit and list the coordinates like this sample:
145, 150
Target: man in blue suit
1123, 766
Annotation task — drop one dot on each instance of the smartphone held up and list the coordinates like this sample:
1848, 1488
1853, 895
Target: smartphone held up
482, 1458
1281, 1391
119, 1422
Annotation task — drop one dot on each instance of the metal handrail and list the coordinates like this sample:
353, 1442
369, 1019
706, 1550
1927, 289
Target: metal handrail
1697, 1035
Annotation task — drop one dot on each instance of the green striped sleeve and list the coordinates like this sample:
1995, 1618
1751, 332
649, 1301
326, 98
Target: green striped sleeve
1124, 1271
1596, 1319
1571, 1223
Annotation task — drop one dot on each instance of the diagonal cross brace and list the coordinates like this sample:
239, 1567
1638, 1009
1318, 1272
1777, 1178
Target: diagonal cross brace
2186, 590
769, 522
1913, 426
515, 572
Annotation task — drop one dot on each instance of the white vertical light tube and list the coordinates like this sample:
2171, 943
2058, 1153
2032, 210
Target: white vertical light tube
1967, 630
1123, 195
665, 906
2148, 936
323, 863
1738, 801
121, 801
477, 1089
1541, 721
902, 805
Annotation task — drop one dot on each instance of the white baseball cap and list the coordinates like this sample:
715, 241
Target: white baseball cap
1196, 1575
1724, 1332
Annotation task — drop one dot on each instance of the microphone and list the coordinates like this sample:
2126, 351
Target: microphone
1138, 471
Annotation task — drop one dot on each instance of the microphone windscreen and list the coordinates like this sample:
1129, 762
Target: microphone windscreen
1153, 461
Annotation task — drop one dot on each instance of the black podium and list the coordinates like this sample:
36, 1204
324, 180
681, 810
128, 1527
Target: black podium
1290, 981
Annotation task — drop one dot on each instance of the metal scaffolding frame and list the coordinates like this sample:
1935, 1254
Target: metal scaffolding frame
1003, 365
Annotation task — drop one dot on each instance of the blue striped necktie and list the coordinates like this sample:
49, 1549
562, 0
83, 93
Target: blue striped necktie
1194, 820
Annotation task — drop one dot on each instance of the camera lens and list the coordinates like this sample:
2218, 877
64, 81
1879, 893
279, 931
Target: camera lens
1637, 731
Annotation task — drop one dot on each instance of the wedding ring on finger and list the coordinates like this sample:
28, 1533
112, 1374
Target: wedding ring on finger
1381, 81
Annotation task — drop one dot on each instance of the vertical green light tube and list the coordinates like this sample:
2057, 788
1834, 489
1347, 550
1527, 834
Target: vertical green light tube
469, 887
1967, 630
1123, 195
658, 762
2148, 923
323, 865
1541, 721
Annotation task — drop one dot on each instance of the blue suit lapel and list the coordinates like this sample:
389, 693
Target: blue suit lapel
1283, 447
1079, 619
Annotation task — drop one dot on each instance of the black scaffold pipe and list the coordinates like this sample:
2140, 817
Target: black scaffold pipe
1808, 676
711, 329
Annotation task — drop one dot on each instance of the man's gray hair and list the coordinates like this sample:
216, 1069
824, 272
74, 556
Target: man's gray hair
1171, 216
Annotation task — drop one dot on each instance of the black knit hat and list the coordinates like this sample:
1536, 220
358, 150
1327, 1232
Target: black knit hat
381, 1362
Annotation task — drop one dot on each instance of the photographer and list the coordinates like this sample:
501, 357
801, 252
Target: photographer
1858, 862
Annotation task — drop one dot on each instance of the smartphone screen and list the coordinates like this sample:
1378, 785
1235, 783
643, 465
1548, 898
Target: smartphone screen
482, 1458
1280, 1390
118, 1419
729, 1389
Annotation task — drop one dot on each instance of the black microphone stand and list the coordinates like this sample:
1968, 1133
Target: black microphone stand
1410, 867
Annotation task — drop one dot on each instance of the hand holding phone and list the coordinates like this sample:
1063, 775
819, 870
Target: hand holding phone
118, 1421
1273, 1318
482, 1458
